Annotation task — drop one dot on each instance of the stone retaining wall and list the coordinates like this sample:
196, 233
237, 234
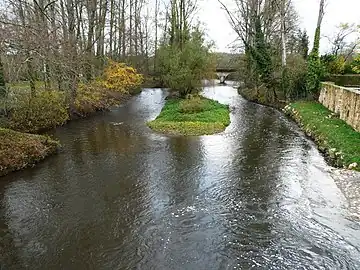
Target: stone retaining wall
342, 101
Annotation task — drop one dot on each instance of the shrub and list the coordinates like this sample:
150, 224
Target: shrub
192, 105
296, 75
92, 97
45, 110
348, 69
182, 69
355, 65
21, 150
119, 77
333, 64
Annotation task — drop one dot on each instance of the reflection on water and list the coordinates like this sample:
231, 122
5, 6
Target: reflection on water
119, 196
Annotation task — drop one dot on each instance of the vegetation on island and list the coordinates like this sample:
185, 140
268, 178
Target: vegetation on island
184, 59
195, 116
334, 137
61, 60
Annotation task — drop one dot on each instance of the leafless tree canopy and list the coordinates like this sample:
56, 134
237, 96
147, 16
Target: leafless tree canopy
64, 41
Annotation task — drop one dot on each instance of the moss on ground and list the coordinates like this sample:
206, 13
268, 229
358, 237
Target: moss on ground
21, 150
192, 118
339, 141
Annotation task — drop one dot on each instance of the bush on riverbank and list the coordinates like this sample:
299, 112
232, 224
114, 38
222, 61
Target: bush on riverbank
335, 138
42, 109
92, 97
118, 82
45, 110
195, 116
118, 77
21, 150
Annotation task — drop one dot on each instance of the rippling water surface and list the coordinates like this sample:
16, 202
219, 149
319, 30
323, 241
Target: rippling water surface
118, 196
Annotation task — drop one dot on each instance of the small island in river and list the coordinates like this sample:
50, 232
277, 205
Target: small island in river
194, 116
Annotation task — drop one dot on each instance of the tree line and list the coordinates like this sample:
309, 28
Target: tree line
66, 42
277, 62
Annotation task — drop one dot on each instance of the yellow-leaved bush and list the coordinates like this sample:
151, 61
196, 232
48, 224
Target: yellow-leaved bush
92, 97
45, 110
119, 77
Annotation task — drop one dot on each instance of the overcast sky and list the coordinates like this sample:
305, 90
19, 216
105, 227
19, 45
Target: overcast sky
337, 11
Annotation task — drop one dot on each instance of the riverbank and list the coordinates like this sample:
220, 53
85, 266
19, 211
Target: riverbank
260, 98
192, 117
21, 150
337, 140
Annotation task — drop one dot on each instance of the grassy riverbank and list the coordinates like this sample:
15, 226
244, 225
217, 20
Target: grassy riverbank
21, 150
339, 141
192, 117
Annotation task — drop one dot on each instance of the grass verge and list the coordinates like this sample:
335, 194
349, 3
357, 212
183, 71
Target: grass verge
21, 150
339, 141
192, 117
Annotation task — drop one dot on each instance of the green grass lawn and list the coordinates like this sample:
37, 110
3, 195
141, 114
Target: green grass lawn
339, 140
194, 117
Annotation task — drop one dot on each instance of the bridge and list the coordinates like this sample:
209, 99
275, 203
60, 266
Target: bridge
223, 74
226, 65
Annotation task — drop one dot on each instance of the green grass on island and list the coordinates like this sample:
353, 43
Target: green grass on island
334, 136
192, 117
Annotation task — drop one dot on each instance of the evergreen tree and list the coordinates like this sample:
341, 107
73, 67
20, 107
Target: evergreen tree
314, 66
304, 44
261, 54
314, 69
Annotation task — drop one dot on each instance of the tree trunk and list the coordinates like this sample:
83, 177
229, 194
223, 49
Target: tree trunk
283, 33
156, 34
2, 81
318, 27
321, 13
43, 28
111, 33
131, 29
136, 12
29, 59
123, 27
72, 53
91, 12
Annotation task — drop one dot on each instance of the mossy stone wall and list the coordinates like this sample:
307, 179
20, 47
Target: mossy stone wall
343, 101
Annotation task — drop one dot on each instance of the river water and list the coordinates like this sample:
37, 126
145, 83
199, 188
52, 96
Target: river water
119, 196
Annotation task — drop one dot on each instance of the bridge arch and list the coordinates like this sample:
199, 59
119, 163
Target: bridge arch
223, 74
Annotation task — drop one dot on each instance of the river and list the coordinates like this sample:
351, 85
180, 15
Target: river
119, 196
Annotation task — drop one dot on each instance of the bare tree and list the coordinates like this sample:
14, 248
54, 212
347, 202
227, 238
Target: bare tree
339, 41
64, 42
